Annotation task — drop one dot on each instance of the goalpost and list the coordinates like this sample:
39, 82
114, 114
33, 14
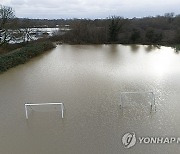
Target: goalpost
44, 107
137, 98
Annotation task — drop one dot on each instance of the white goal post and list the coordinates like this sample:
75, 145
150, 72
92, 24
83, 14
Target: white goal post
61, 109
147, 97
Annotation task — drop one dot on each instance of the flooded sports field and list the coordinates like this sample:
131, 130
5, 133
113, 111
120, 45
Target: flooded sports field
89, 81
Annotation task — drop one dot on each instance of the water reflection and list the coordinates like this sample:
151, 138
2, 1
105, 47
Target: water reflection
152, 47
114, 48
134, 47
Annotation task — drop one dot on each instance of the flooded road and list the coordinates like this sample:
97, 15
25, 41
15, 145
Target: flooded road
89, 79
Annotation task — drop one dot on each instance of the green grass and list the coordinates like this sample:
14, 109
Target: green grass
22, 55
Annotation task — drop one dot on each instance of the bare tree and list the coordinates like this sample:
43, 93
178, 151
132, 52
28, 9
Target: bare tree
6, 13
114, 28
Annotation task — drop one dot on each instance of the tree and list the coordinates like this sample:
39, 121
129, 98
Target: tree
154, 36
177, 36
150, 35
169, 16
114, 28
26, 31
135, 35
6, 14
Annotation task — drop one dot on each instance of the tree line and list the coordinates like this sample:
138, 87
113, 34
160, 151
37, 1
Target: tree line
163, 30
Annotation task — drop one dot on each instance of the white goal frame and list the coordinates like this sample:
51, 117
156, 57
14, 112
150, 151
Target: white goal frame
153, 103
40, 104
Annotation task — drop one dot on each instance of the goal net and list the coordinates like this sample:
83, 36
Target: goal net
138, 100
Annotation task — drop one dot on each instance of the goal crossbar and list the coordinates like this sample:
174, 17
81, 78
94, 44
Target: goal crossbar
41, 104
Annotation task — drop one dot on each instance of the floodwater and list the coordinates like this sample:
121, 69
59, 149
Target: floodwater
89, 80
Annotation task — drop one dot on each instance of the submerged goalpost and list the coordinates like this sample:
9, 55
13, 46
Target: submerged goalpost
138, 98
44, 106
133, 99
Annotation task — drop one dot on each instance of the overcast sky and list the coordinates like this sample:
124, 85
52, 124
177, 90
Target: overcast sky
53, 9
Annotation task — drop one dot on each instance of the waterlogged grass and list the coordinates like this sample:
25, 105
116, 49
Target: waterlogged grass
22, 55
177, 47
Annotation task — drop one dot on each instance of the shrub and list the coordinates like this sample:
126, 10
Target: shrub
20, 56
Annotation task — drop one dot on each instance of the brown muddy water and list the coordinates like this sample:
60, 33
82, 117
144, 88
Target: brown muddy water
89, 79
